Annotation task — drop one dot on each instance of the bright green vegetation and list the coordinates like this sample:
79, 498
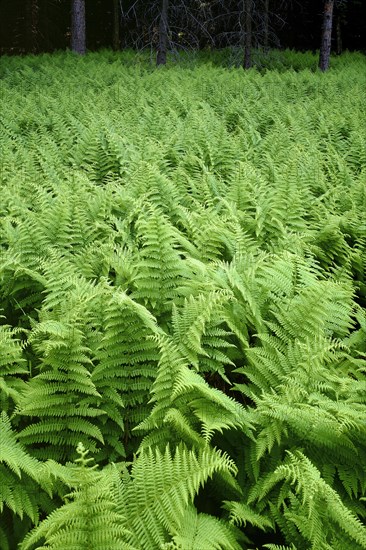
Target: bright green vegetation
183, 291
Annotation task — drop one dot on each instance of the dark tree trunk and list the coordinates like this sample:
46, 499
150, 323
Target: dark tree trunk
248, 35
339, 35
326, 41
163, 34
32, 21
116, 25
78, 36
266, 26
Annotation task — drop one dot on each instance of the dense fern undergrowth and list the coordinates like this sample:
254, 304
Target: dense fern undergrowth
183, 328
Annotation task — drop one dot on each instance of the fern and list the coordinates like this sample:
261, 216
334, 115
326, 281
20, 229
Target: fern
202, 531
182, 285
62, 395
162, 487
126, 366
12, 368
315, 508
159, 267
25, 488
88, 519
185, 404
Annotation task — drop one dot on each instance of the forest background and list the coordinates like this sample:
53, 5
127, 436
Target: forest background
33, 26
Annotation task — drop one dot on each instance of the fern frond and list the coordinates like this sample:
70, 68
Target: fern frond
127, 361
88, 519
22, 475
12, 368
159, 267
203, 531
62, 396
314, 507
241, 514
161, 489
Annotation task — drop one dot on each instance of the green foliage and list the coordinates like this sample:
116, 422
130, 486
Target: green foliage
12, 368
89, 517
202, 531
25, 486
183, 292
313, 506
158, 496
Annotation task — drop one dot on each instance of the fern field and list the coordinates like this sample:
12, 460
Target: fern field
183, 293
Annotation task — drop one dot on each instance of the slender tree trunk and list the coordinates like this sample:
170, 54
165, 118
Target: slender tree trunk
326, 41
266, 26
339, 35
46, 27
163, 34
248, 35
116, 25
32, 21
78, 35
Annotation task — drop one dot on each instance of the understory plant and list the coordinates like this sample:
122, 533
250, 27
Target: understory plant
183, 328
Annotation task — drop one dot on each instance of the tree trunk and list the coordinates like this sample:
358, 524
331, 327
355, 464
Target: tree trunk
116, 25
163, 34
326, 41
339, 35
266, 26
32, 21
78, 36
248, 35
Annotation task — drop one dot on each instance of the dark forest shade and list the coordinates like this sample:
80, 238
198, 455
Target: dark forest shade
34, 26
116, 25
78, 36
326, 42
32, 22
266, 25
163, 34
248, 34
